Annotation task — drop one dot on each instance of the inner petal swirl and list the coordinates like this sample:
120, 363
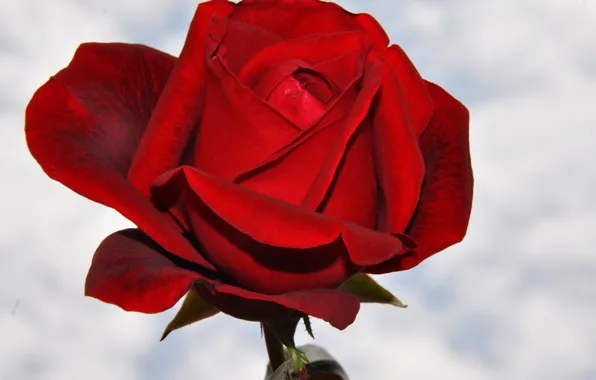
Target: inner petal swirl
297, 91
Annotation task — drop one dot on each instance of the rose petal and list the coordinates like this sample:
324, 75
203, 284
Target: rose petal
317, 83
268, 245
131, 271
373, 29
297, 104
400, 166
352, 195
239, 41
322, 183
341, 69
310, 49
417, 98
84, 124
337, 307
291, 18
276, 75
180, 104
287, 175
442, 216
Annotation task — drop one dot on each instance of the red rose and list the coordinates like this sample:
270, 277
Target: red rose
286, 149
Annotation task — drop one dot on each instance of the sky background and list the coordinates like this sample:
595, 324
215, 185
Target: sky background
516, 300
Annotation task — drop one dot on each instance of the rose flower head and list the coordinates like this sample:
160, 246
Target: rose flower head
288, 148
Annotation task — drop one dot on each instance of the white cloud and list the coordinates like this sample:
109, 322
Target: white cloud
514, 301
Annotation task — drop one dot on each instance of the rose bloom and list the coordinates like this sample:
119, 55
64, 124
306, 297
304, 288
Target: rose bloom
288, 148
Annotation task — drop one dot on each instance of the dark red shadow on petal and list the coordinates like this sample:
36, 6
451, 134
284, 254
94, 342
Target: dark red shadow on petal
337, 307
84, 124
131, 271
442, 216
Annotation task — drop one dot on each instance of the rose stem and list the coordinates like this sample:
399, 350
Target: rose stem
274, 348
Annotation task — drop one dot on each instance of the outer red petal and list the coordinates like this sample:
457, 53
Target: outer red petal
179, 108
399, 162
131, 271
296, 18
291, 18
442, 216
266, 244
373, 29
84, 124
337, 307
417, 99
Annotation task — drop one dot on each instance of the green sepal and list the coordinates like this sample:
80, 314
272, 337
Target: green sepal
368, 290
194, 308
308, 326
299, 362
294, 367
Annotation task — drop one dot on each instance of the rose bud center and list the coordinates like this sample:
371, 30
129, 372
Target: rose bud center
297, 91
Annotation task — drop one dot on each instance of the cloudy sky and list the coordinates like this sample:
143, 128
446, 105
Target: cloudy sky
516, 300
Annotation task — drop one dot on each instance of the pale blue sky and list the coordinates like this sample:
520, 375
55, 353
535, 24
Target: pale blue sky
516, 300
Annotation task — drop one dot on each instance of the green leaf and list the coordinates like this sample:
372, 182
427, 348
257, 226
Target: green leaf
194, 308
368, 290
